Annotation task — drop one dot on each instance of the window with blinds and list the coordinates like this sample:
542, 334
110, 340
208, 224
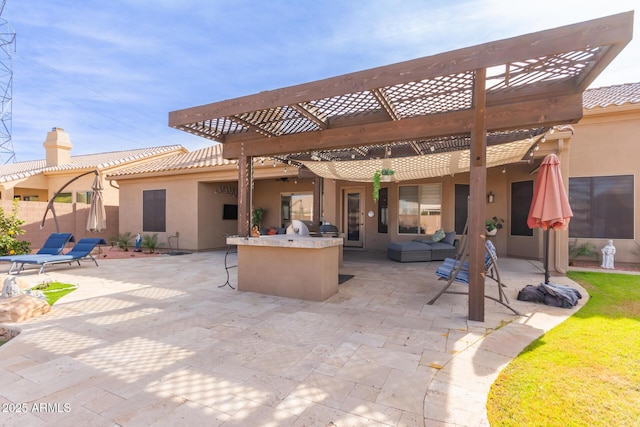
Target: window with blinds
419, 208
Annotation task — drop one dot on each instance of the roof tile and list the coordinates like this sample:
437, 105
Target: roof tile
18, 170
602, 97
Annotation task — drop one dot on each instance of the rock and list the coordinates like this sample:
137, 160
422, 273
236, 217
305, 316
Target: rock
36, 294
21, 308
10, 288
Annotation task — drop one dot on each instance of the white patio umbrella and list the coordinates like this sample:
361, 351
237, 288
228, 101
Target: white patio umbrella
97, 220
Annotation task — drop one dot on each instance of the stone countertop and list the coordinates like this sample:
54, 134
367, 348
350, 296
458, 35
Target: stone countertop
286, 241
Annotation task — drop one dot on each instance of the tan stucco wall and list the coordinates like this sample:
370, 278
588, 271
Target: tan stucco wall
267, 196
181, 209
212, 228
72, 218
606, 143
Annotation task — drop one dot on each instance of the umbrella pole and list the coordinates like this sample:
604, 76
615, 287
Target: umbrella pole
546, 256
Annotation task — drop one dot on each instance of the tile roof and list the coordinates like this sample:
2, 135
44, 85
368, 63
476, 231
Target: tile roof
205, 157
607, 96
18, 170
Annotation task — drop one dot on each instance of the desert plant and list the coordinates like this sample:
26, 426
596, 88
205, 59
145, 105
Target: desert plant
586, 249
123, 240
9, 232
150, 241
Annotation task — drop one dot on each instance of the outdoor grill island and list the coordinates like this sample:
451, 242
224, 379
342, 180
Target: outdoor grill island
289, 266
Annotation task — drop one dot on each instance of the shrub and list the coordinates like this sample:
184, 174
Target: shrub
586, 249
123, 240
9, 232
150, 241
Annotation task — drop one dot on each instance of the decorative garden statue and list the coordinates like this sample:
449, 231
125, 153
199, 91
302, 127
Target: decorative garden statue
138, 243
608, 253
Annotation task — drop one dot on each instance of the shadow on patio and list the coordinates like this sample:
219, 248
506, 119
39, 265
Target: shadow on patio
154, 340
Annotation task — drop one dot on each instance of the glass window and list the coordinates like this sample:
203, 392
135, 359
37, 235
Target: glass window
602, 207
64, 198
419, 208
521, 196
83, 197
461, 207
296, 206
154, 210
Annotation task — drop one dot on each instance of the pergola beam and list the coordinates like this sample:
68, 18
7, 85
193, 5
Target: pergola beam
538, 113
609, 30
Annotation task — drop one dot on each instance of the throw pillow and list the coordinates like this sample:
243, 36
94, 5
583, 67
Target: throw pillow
439, 235
449, 238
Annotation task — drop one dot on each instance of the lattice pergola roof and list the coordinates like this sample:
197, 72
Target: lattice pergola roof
475, 98
422, 106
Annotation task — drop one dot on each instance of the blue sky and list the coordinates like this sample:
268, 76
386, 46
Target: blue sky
109, 72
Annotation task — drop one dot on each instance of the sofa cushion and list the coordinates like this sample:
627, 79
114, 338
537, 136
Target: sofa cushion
424, 241
449, 238
438, 235
439, 246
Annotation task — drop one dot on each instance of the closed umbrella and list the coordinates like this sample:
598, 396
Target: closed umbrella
550, 205
97, 220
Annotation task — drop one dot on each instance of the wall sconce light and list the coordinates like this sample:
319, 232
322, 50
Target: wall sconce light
491, 197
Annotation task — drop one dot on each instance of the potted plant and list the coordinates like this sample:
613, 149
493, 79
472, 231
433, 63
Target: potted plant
383, 175
493, 225
257, 216
376, 186
386, 175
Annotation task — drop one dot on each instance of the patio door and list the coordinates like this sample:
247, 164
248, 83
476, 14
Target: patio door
353, 217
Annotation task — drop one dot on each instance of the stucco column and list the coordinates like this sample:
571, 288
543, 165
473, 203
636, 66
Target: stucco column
560, 256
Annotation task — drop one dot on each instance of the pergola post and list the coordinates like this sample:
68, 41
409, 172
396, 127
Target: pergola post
317, 200
245, 166
477, 207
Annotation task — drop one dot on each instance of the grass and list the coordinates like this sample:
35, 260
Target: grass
584, 372
53, 291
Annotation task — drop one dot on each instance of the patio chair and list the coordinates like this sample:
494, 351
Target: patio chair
457, 270
54, 245
81, 251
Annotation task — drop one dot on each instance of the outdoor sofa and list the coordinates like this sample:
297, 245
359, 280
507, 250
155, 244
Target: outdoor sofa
424, 249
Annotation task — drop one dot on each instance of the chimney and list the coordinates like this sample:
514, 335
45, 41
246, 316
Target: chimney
58, 147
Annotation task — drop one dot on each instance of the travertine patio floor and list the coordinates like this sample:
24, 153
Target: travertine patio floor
155, 341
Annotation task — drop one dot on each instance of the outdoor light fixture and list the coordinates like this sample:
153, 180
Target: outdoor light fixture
491, 197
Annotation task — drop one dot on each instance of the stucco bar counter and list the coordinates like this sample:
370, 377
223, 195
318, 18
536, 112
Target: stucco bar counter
289, 266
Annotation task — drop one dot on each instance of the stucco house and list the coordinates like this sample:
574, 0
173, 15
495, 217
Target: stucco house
184, 198
34, 183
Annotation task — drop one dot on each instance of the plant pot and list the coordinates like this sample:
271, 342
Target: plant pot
386, 178
492, 232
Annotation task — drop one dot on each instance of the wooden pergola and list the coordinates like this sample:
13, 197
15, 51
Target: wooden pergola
491, 93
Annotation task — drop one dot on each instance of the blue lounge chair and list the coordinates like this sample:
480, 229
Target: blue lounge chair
81, 250
54, 245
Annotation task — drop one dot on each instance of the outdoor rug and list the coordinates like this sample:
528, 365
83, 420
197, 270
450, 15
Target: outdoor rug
343, 278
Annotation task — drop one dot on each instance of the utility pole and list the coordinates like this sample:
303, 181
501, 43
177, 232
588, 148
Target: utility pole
7, 42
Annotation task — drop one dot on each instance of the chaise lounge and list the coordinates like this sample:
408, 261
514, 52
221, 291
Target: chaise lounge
54, 245
82, 250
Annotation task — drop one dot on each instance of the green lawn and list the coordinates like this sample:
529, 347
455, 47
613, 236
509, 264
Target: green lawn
584, 372
53, 291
